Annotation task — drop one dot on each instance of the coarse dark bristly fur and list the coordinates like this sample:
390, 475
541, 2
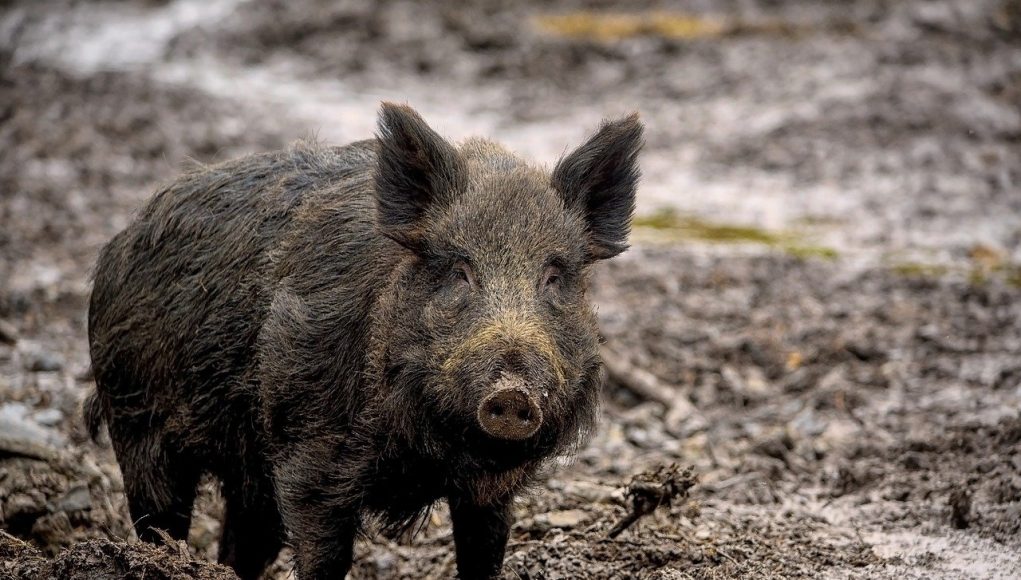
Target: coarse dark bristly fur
316, 328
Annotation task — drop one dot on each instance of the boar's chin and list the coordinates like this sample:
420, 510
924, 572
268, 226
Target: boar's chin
494, 454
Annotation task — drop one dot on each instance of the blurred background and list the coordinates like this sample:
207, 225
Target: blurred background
821, 313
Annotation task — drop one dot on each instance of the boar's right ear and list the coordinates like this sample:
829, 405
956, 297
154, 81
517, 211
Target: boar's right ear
416, 169
600, 179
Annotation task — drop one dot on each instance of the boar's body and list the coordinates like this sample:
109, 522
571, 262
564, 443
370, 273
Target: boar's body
352, 332
180, 299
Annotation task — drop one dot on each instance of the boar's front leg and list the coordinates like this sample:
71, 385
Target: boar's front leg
327, 557
480, 537
323, 542
321, 519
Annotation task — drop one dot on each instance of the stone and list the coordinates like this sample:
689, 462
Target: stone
8, 332
75, 499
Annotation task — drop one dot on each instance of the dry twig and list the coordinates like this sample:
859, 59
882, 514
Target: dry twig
680, 412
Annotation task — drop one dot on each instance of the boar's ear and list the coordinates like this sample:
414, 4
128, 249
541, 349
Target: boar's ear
600, 178
416, 169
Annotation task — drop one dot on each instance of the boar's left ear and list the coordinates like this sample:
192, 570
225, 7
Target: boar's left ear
416, 169
600, 178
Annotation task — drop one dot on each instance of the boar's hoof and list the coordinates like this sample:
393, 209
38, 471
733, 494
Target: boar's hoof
510, 413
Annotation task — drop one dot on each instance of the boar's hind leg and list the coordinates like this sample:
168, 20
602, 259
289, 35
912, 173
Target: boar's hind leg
252, 531
160, 488
480, 537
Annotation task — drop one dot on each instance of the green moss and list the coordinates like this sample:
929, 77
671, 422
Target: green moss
668, 225
588, 25
920, 270
1013, 275
612, 26
663, 219
805, 252
977, 277
680, 226
819, 221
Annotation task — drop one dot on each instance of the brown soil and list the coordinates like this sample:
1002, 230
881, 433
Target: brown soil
827, 329
105, 559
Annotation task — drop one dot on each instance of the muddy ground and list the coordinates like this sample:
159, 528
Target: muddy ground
821, 315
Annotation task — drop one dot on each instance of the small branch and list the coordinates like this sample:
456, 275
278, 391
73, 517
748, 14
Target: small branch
680, 411
647, 491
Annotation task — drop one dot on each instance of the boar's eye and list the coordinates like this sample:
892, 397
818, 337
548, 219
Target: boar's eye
551, 277
462, 275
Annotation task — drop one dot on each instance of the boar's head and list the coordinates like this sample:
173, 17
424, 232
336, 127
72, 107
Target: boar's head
486, 346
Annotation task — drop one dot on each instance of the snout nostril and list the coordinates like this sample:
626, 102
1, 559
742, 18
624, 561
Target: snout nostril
524, 415
496, 410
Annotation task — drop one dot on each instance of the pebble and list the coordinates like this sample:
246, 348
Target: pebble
807, 424
21, 505
48, 417
386, 563
15, 425
669, 574
564, 519
75, 499
588, 491
8, 332
45, 362
90, 469
839, 434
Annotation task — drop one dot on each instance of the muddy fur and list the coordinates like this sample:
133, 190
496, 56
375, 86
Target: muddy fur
316, 328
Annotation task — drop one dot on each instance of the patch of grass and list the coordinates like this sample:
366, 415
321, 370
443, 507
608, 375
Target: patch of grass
668, 225
975, 274
610, 26
1011, 273
920, 270
614, 26
988, 262
680, 226
805, 252
1014, 276
819, 221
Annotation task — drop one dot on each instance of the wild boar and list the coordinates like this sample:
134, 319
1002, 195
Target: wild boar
347, 335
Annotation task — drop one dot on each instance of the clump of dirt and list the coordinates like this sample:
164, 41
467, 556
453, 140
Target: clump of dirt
105, 559
966, 477
57, 500
713, 544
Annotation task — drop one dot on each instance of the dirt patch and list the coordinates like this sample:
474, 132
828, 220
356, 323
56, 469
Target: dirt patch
105, 559
80, 154
56, 501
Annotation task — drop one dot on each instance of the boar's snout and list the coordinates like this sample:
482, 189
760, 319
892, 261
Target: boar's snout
510, 411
